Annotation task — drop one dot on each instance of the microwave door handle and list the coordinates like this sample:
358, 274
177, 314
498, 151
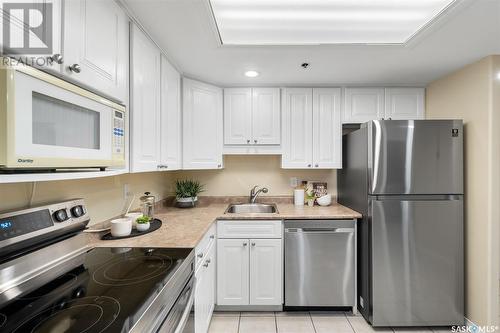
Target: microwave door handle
185, 315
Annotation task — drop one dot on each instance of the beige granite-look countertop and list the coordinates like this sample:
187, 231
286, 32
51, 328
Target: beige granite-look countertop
186, 227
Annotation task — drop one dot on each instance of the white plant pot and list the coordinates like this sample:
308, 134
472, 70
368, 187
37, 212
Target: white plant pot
186, 202
143, 226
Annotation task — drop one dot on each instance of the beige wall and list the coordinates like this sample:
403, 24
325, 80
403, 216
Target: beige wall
241, 173
468, 94
104, 196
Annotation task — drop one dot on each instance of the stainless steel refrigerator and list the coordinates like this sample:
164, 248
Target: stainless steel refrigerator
406, 178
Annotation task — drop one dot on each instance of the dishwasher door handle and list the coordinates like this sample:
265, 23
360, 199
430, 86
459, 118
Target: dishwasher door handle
319, 230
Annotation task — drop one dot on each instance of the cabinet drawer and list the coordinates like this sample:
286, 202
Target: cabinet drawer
249, 229
204, 245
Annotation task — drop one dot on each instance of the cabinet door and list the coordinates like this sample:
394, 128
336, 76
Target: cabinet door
96, 40
237, 116
327, 128
266, 120
297, 128
363, 104
266, 272
202, 126
232, 272
145, 101
404, 103
205, 292
170, 117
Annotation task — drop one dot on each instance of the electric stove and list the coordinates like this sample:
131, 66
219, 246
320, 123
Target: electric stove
67, 287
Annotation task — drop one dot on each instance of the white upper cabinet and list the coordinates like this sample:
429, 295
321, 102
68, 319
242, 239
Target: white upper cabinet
312, 128
327, 128
145, 102
237, 116
171, 134
252, 116
202, 125
297, 119
404, 103
363, 104
266, 120
96, 45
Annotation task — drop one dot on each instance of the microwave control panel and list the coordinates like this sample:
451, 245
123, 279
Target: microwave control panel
118, 133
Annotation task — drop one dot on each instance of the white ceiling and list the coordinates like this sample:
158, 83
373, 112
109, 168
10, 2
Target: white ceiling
185, 30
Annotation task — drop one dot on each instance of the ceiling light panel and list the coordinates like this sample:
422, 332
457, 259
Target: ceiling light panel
305, 22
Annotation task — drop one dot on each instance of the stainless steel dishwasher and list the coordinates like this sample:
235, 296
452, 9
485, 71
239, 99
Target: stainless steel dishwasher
320, 263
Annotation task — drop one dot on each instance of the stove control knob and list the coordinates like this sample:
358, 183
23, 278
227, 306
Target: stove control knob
60, 215
77, 211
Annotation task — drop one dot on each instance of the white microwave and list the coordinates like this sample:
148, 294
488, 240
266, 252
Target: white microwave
48, 123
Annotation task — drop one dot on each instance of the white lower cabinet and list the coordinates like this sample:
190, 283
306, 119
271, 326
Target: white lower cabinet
249, 270
204, 298
205, 293
266, 271
233, 272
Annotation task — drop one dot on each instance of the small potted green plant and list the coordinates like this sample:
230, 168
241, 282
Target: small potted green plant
142, 223
186, 192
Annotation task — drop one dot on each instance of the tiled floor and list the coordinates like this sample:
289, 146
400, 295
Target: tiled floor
298, 322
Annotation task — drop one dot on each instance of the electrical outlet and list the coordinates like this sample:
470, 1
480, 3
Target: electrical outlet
126, 191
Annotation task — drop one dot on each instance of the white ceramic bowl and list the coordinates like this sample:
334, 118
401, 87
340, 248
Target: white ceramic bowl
325, 200
133, 217
121, 227
143, 226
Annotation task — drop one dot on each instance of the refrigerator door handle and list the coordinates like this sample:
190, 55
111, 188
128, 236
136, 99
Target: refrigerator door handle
418, 197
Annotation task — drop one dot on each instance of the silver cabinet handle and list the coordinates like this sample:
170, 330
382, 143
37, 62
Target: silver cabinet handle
165, 166
57, 58
245, 244
253, 244
219, 165
254, 141
206, 263
316, 165
200, 255
212, 236
248, 141
309, 165
75, 68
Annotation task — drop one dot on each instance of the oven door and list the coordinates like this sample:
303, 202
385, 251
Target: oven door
180, 319
59, 125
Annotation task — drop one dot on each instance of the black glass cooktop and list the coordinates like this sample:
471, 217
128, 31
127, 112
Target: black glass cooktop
107, 292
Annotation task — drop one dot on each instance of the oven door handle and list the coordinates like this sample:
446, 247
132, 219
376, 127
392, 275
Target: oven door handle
187, 311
